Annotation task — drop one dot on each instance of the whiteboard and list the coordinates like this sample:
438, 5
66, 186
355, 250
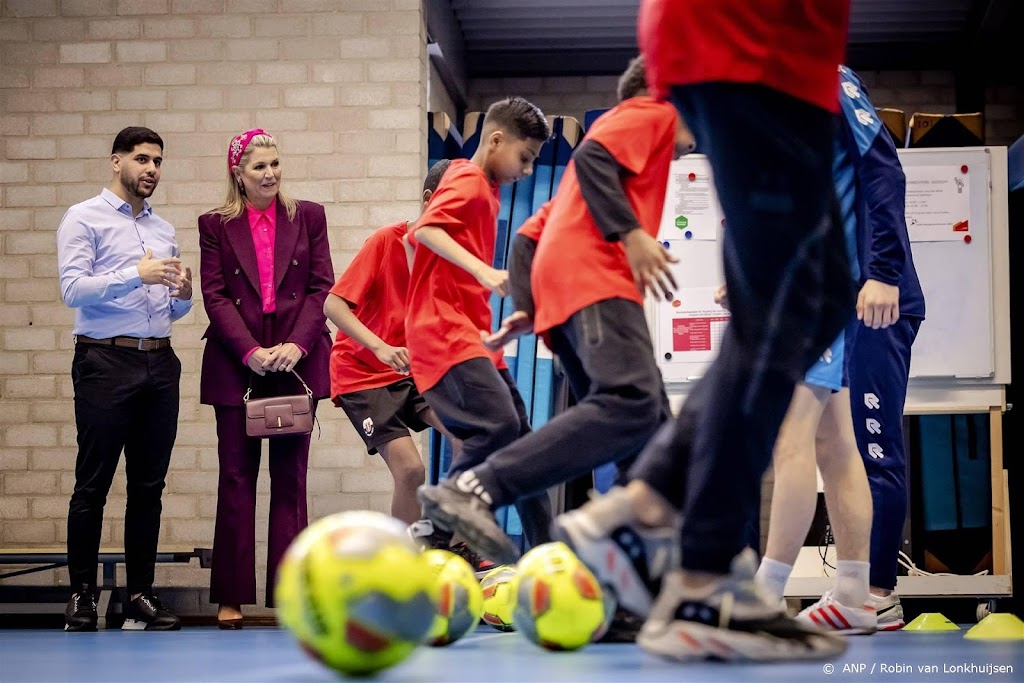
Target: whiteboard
957, 337
964, 340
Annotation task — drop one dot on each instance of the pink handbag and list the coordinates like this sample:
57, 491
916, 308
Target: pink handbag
279, 415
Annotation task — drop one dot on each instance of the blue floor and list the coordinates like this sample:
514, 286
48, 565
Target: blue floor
197, 655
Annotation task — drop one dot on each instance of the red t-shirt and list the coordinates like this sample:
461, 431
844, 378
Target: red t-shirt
793, 46
574, 265
374, 285
446, 307
534, 225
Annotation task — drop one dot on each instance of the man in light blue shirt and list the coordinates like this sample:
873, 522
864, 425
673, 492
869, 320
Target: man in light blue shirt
121, 272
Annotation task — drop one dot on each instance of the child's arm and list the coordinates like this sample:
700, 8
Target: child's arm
441, 243
600, 178
339, 313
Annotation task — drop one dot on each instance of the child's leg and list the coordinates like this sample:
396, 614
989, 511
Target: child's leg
403, 460
475, 405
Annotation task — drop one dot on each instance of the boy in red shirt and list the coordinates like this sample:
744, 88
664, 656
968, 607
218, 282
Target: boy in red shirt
469, 387
596, 255
370, 362
757, 83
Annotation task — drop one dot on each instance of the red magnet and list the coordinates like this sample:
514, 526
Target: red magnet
967, 239
692, 177
963, 169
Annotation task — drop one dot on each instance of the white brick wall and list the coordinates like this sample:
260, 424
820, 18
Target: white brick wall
342, 83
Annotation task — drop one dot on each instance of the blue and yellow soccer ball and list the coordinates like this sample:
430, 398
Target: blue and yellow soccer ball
559, 603
499, 597
460, 602
356, 592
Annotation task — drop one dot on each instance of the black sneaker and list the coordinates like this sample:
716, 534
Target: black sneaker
145, 613
428, 536
625, 627
480, 565
469, 516
80, 614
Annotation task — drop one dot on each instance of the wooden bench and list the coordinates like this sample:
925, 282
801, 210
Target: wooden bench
46, 558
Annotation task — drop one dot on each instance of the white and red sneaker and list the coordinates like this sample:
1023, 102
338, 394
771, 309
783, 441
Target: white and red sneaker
889, 610
827, 614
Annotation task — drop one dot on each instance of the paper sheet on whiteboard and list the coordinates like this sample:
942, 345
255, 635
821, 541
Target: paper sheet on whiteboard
697, 325
938, 203
691, 209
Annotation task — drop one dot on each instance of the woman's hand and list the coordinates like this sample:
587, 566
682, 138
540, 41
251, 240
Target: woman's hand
282, 358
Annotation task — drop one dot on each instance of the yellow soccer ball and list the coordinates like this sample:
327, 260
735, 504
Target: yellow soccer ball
356, 593
460, 602
559, 604
499, 597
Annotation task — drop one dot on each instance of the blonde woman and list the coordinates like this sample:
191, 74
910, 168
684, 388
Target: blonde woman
265, 271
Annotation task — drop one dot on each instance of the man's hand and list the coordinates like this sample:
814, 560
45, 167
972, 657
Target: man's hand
258, 358
649, 261
183, 290
493, 279
512, 327
160, 271
722, 296
283, 357
878, 304
395, 357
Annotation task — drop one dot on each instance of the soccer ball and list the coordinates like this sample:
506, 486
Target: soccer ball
460, 601
499, 597
355, 592
559, 604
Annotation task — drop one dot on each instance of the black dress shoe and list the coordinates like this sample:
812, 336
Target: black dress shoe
145, 613
80, 614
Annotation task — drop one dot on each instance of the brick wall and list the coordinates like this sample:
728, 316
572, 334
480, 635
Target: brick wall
340, 83
911, 91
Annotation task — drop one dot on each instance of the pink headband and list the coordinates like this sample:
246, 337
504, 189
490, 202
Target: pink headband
238, 144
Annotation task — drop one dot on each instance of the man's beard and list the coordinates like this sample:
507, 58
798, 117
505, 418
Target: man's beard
132, 185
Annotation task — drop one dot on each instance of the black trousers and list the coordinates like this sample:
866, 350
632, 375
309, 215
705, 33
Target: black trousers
481, 406
124, 400
608, 358
790, 294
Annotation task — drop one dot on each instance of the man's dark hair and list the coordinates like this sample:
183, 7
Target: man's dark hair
519, 117
633, 80
435, 174
135, 135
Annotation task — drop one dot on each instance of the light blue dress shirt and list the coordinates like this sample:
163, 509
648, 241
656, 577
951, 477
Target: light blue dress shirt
99, 244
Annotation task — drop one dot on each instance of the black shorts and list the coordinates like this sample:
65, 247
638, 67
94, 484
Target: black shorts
386, 413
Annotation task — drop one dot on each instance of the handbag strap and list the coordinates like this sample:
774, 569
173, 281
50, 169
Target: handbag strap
309, 392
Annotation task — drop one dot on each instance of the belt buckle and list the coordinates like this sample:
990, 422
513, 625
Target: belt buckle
141, 340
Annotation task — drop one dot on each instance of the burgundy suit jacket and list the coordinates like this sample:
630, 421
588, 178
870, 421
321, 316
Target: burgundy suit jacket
230, 283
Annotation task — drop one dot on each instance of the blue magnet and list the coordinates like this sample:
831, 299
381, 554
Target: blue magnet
688, 234
665, 244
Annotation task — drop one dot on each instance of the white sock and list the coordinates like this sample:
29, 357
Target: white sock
852, 582
772, 576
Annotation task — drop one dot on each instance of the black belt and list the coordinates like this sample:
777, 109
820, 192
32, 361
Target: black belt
137, 343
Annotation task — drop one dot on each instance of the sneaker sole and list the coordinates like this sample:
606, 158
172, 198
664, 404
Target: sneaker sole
690, 641
137, 625
895, 626
606, 560
491, 542
79, 629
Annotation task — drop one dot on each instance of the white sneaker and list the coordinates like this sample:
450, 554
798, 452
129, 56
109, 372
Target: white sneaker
832, 616
730, 620
627, 559
889, 610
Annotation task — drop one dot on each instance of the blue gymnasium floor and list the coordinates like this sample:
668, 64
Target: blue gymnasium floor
197, 655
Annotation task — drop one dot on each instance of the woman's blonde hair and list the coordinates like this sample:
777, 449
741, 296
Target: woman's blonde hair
234, 205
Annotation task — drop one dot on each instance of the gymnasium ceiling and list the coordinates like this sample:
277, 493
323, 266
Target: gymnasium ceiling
561, 37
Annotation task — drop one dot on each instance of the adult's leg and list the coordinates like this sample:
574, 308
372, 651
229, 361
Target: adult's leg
233, 574
106, 381
147, 455
289, 460
879, 372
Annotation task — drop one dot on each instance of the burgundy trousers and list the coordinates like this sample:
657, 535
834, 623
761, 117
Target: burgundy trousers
233, 574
